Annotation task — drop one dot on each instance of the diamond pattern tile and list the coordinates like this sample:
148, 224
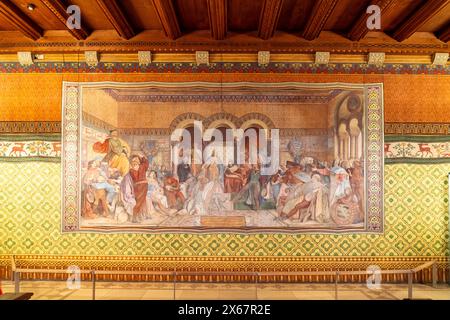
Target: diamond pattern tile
415, 205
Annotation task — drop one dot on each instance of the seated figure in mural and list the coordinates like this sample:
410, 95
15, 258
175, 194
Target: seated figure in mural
156, 200
172, 191
293, 199
236, 177
315, 202
117, 151
196, 201
343, 207
91, 176
99, 190
233, 180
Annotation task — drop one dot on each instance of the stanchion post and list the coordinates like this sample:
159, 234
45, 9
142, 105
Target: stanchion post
336, 285
434, 274
174, 285
410, 285
16, 281
256, 285
93, 284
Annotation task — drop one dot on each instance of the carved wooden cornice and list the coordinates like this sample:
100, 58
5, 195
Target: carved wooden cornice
427, 11
60, 11
116, 16
224, 46
359, 30
318, 17
20, 20
268, 20
168, 18
217, 13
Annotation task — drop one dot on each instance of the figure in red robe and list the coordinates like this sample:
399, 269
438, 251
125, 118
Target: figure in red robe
138, 173
175, 197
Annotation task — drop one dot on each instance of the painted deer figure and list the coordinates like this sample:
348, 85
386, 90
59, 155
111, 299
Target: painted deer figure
18, 149
424, 149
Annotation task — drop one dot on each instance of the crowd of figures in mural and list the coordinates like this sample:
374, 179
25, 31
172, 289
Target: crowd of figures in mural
121, 186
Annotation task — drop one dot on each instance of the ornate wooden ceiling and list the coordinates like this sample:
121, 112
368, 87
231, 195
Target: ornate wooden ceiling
283, 26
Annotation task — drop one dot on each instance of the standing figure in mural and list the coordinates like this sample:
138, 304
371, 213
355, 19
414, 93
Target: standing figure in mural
117, 151
127, 198
135, 185
357, 184
295, 149
151, 150
183, 168
252, 190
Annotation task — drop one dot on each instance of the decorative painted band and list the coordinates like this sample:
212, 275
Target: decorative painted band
223, 67
401, 129
14, 127
397, 149
30, 148
390, 128
417, 149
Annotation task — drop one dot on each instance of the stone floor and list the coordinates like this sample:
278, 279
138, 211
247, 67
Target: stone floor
52, 290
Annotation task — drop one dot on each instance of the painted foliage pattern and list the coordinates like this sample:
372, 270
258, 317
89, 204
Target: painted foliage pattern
416, 219
215, 67
30, 149
407, 149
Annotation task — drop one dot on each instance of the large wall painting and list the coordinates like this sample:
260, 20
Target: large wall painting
222, 157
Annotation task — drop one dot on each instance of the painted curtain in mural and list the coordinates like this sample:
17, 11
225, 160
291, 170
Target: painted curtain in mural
222, 157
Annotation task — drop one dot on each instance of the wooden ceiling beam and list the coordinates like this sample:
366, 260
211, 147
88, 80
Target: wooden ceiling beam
20, 20
359, 29
427, 11
319, 16
168, 18
59, 9
117, 18
444, 34
268, 19
217, 13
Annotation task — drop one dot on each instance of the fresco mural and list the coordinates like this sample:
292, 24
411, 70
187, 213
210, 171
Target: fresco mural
207, 157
